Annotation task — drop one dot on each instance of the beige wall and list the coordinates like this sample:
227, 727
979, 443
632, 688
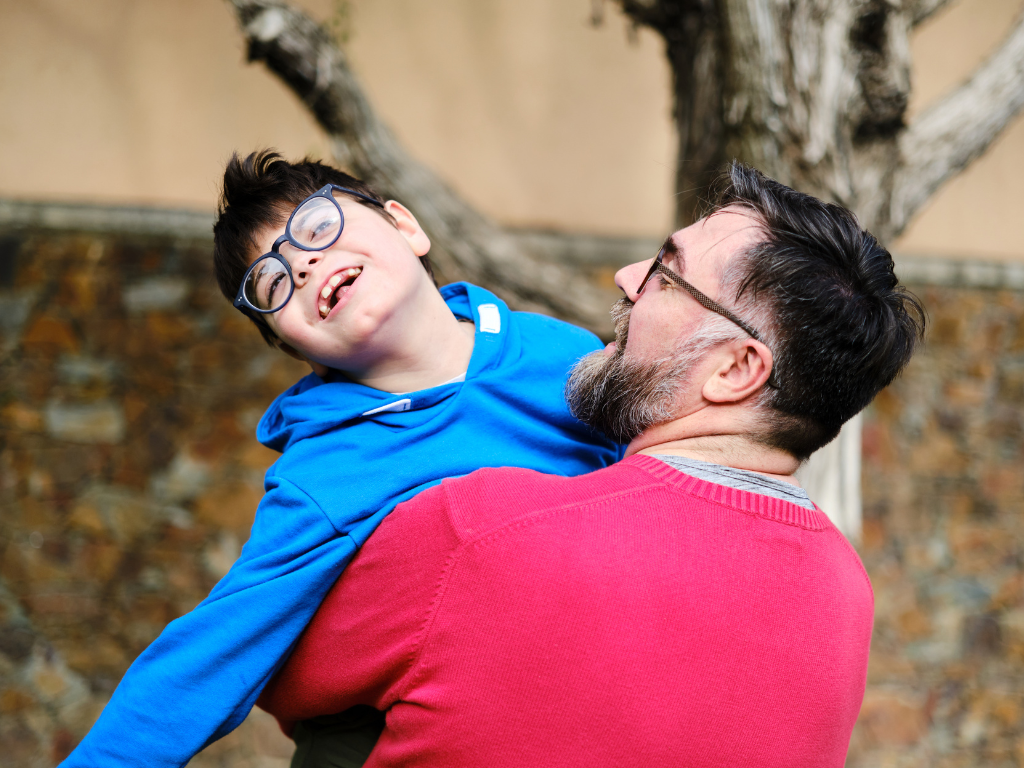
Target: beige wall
132, 101
981, 212
529, 111
532, 113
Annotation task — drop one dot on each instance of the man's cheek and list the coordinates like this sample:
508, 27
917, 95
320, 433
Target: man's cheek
635, 332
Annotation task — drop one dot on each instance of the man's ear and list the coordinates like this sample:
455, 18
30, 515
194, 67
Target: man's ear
409, 227
319, 369
744, 366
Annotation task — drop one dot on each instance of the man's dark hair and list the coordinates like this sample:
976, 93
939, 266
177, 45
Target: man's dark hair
261, 191
823, 290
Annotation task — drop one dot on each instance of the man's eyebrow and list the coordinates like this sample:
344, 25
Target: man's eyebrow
673, 251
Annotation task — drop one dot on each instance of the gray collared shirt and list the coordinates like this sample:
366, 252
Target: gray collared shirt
741, 479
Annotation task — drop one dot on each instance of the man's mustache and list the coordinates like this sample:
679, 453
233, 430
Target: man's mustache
620, 312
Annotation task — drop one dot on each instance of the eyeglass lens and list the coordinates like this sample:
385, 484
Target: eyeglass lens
316, 223
268, 284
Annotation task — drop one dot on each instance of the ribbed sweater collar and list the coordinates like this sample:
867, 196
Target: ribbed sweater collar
745, 501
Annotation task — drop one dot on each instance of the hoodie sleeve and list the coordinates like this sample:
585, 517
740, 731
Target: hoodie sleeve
199, 679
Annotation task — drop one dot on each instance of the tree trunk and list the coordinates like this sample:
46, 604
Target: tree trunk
814, 93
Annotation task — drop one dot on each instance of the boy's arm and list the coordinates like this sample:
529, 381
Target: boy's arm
361, 645
199, 679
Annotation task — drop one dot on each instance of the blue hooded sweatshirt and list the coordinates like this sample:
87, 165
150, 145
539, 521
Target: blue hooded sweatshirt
350, 455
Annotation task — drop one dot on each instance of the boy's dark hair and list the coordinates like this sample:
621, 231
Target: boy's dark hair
823, 290
261, 191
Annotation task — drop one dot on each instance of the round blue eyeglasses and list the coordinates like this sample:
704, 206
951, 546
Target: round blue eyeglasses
315, 224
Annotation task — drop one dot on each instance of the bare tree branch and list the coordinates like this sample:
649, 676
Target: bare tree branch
643, 12
465, 244
950, 134
921, 10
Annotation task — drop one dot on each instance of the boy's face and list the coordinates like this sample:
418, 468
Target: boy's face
372, 278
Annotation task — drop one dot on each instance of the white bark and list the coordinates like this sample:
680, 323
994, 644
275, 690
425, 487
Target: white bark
957, 129
814, 93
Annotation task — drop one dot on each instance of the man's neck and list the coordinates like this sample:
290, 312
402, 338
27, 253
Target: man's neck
730, 450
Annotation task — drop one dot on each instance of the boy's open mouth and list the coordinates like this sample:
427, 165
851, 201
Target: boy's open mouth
336, 288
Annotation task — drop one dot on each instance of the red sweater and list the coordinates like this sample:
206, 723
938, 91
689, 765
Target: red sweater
635, 616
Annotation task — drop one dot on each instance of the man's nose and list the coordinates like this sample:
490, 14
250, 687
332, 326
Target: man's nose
628, 278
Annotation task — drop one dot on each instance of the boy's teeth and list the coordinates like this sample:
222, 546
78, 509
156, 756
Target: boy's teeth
332, 286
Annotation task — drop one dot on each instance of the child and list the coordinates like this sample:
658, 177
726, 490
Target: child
410, 386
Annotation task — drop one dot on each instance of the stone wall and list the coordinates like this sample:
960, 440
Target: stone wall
943, 542
129, 390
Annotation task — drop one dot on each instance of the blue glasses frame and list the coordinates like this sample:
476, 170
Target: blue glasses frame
327, 191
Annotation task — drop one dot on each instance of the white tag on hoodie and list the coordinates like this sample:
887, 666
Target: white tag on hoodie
490, 318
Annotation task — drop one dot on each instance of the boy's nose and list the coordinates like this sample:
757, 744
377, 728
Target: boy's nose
302, 263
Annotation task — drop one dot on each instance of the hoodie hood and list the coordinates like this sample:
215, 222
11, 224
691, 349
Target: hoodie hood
313, 406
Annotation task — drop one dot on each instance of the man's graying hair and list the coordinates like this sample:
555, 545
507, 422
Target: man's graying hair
823, 292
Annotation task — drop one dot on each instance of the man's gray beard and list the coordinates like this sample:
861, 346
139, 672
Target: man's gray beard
623, 398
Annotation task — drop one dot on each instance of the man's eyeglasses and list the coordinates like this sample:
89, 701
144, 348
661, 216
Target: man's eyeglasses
315, 224
658, 265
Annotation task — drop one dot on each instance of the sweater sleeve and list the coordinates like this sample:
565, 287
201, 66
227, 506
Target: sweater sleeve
198, 680
361, 646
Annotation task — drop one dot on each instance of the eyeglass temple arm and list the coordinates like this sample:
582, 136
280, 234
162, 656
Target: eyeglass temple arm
714, 306
367, 198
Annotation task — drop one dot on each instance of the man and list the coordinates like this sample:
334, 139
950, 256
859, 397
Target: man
687, 606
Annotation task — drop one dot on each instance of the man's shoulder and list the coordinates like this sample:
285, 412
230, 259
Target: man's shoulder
492, 498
